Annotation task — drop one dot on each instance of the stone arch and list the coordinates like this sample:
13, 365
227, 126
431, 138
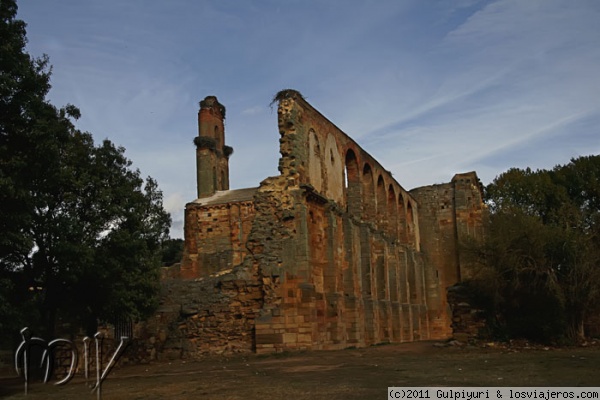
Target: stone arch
217, 137
381, 204
368, 185
392, 212
401, 219
214, 179
352, 180
410, 223
334, 169
315, 161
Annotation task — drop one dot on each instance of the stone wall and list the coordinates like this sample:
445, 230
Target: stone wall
468, 321
470, 212
449, 215
211, 315
340, 285
343, 269
215, 237
331, 253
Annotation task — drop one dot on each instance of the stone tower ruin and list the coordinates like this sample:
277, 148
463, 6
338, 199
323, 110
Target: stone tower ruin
331, 253
212, 155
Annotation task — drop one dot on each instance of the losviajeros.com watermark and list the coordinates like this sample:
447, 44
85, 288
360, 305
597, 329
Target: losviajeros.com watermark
499, 393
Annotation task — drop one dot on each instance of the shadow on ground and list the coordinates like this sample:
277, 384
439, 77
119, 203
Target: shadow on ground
346, 374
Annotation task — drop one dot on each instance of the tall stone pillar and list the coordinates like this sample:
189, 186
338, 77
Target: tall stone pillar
212, 155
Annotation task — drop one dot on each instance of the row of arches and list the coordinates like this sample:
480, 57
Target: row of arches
325, 167
369, 198
355, 184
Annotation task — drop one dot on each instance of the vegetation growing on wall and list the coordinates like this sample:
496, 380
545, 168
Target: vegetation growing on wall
286, 94
205, 142
227, 150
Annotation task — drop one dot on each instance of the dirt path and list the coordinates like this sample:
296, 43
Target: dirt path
346, 374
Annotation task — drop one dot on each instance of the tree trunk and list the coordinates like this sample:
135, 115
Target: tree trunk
91, 326
576, 327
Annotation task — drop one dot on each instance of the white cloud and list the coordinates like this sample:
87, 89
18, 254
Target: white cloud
255, 110
428, 88
174, 204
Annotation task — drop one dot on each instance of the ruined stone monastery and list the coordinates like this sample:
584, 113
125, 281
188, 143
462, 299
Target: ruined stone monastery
331, 253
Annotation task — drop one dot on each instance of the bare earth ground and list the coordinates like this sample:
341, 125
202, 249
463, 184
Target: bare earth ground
346, 374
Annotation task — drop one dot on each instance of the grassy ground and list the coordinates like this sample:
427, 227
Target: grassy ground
347, 374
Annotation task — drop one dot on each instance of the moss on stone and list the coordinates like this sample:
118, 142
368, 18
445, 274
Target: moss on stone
205, 142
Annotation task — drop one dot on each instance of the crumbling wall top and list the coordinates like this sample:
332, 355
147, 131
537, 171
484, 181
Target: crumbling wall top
211, 102
324, 140
471, 178
287, 94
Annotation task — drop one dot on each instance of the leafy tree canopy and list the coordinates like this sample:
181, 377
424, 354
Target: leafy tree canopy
541, 251
80, 231
172, 251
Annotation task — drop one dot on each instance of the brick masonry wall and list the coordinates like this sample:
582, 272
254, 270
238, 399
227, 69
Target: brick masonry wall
468, 321
470, 212
336, 280
215, 237
331, 253
212, 315
438, 244
450, 214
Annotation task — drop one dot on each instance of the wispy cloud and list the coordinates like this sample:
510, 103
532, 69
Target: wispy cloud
516, 72
428, 88
172, 204
254, 110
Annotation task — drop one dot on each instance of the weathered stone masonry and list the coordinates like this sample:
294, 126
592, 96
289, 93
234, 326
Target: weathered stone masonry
331, 253
449, 215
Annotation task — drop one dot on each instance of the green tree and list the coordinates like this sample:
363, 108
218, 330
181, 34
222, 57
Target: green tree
172, 251
80, 231
541, 249
581, 225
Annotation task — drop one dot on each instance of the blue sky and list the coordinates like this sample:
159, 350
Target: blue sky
429, 88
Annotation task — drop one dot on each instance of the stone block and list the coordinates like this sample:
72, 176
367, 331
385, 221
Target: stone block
269, 339
290, 338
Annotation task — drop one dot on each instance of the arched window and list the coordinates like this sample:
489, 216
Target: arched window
218, 141
410, 224
334, 169
392, 212
401, 220
314, 161
381, 204
352, 183
214, 179
369, 204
